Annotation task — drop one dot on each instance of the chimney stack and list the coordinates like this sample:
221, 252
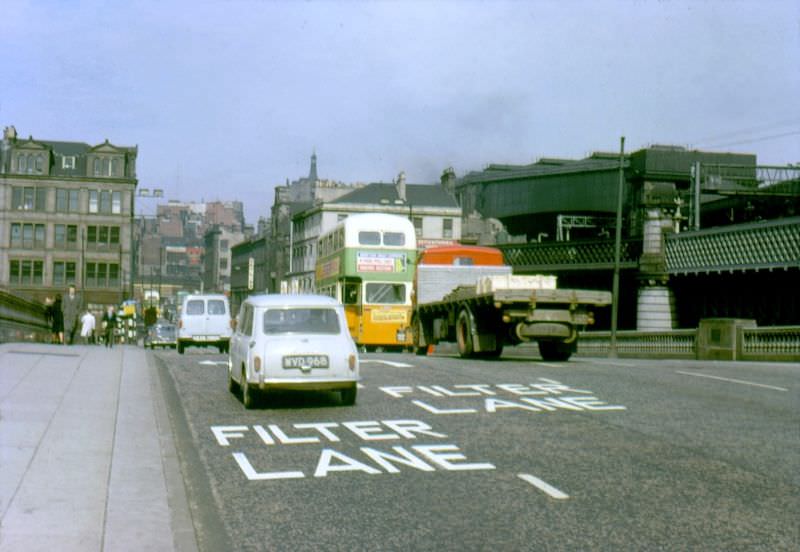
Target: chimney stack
401, 186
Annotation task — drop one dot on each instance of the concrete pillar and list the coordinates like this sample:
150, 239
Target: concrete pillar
655, 309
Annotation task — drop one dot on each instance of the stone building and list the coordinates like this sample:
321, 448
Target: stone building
65, 217
432, 209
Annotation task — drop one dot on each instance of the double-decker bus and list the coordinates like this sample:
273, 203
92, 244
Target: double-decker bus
367, 263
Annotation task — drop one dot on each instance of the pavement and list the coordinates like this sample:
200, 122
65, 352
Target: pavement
87, 457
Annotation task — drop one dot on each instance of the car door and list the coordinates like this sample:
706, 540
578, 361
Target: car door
240, 343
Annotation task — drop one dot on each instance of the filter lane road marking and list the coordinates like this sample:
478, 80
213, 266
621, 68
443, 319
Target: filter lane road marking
742, 382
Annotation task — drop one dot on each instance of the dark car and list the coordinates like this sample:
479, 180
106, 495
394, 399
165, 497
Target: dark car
162, 334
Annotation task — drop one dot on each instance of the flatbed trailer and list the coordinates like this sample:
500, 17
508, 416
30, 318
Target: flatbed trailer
499, 310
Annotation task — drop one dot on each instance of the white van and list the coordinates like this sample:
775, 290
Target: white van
205, 321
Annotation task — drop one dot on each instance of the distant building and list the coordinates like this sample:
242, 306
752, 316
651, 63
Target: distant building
217, 258
291, 199
432, 209
65, 217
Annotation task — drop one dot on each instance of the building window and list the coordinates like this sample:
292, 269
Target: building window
116, 202
27, 236
93, 201
28, 198
223, 264
68, 162
63, 273
66, 201
447, 228
66, 236
97, 167
102, 275
102, 237
26, 271
417, 226
223, 245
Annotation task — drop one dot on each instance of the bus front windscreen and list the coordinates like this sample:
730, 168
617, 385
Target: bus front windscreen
385, 293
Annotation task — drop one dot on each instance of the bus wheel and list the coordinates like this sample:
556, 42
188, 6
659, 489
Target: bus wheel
420, 347
464, 334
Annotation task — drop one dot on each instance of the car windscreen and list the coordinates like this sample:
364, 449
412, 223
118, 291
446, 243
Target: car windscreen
195, 306
215, 306
301, 320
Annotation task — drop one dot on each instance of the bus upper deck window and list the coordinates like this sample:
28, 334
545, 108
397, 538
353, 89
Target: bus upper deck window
369, 238
463, 261
394, 238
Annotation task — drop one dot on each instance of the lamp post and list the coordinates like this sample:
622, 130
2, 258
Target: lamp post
612, 350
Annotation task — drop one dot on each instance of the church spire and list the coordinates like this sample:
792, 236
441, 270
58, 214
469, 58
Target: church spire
312, 175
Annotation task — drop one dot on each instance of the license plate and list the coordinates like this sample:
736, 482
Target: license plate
305, 362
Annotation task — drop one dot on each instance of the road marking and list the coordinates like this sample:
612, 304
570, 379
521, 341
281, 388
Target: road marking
550, 365
391, 363
214, 362
733, 381
542, 486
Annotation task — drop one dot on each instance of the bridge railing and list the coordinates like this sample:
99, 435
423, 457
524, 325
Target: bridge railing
768, 244
22, 320
570, 255
779, 343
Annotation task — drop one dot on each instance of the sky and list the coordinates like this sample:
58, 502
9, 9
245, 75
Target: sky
227, 99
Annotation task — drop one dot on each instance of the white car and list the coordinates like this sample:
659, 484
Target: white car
292, 342
205, 321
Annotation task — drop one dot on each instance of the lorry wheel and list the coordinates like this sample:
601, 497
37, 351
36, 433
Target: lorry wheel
464, 334
555, 350
420, 348
496, 353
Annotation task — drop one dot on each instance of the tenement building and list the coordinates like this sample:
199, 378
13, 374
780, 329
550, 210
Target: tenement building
65, 217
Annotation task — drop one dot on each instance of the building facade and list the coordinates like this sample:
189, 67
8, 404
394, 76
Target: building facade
432, 209
66, 211
217, 258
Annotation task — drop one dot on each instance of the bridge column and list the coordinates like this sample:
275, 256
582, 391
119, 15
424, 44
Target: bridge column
655, 309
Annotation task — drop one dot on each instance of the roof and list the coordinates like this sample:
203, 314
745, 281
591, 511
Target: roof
417, 195
292, 300
67, 148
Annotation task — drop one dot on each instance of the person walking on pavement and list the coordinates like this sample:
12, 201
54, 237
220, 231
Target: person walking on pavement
72, 310
57, 320
109, 324
87, 327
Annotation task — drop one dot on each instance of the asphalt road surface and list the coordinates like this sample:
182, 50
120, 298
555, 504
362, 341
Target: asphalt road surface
441, 453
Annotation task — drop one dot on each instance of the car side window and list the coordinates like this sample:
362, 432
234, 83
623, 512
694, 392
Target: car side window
195, 306
247, 322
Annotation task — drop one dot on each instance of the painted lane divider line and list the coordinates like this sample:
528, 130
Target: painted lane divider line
742, 382
391, 363
213, 362
542, 486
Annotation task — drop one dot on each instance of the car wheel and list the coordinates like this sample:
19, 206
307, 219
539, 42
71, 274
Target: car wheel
348, 396
233, 386
248, 398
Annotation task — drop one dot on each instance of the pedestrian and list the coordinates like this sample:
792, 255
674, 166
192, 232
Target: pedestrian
72, 310
57, 320
87, 327
109, 324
